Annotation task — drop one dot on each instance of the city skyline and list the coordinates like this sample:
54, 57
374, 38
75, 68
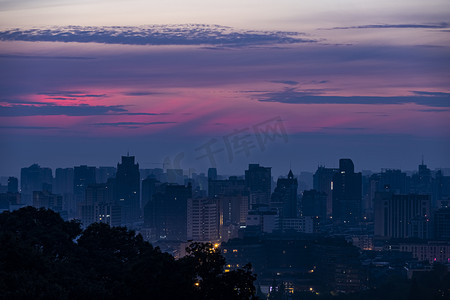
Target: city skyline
280, 171
85, 82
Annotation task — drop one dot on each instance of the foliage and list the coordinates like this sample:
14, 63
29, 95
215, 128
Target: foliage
211, 281
44, 257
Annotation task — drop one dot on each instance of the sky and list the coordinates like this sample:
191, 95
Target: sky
199, 84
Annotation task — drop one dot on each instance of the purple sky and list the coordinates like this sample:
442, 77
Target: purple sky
375, 92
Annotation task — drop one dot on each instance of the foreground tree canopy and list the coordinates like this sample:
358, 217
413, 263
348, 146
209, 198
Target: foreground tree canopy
45, 257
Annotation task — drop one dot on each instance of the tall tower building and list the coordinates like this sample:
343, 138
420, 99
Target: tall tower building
203, 219
396, 180
230, 187
258, 179
212, 174
402, 216
149, 187
33, 179
442, 224
322, 181
128, 189
102, 174
82, 177
47, 200
166, 211
347, 193
13, 185
284, 198
63, 185
99, 206
314, 204
233, 197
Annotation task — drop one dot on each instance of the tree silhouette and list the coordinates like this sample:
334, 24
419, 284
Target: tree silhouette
44, 257
210, 279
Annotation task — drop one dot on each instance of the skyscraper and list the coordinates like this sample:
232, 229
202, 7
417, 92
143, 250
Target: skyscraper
203, 219
395, 179
441, 223
258, 179
322, 183
99, 206
128, 189
212, 174
32, 179
402, 216
102, 174
166, 212
314, 204
63, 185
95, 193
149, 187
233, 197
284, 198
82, 177
230, 187
13, 185
48, 200
347, 193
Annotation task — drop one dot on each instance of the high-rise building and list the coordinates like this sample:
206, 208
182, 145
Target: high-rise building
314, 204
396, 180
166, 212
441, 222
157, 173
258, 179
212, 174
422, 183
284, 198
63, 182
99, 206
82, 177
128, 189
402, 216
322, 181
233, 197
233, 210
203, 219
230, 187
102, 174
262, 220
9, 201
13, 185
32, 179
441, 189
63, 185
45, 199
95, 193
347, 193
149, 188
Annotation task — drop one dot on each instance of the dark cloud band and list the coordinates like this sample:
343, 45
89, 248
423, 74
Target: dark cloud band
293, 96
190, 34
